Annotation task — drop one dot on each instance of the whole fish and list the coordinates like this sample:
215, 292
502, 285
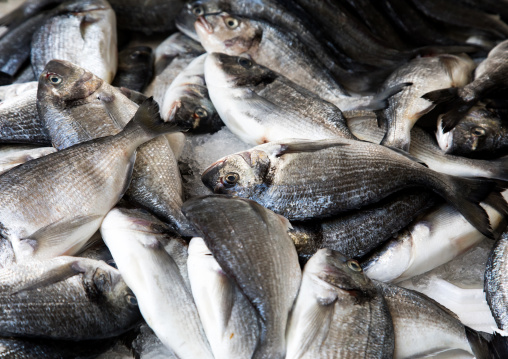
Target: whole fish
430, 241
481, 133
424, 147
338, 313
424, 328
358, 232
310, 179
229, 320
81, 107
259, 105
71, 191
82, 32
252, 246
19, 120
135, 68
495, 283
164, 299
406, 107
187, 102
490, 76
65, 298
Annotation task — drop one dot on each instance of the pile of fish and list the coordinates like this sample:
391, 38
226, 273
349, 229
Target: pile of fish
253, 179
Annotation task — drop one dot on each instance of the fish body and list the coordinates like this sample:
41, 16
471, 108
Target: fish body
65, 298
495, 287
338, 312
260, 257
135, 68
187, 101
165, 300
310, 179
425, 74
15, 158
228, 318
259, 105
82, 32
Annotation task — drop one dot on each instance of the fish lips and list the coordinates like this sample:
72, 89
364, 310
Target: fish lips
211, 177
202, 24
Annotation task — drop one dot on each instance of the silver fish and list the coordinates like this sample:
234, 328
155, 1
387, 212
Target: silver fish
495, 282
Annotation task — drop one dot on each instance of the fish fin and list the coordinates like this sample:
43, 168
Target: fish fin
380, 100
442, 95
52, 276
500, 168
407, 155
55, 233
134, 96
487, 346
382, 120
458, 107
308, 146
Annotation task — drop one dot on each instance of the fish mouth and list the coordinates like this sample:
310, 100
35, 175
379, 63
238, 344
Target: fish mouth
445, 140
201, 22
208, 176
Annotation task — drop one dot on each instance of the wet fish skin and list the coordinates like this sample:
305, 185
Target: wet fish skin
164, 298
481, 133
135, 68
23, 155
229, 320
495, 283
311, 179
65, 298
97, 172
252, 246
338, 312
83, 107
188, 103
425, 74
259, 105
82, 32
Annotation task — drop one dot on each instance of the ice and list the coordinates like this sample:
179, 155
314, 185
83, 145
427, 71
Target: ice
200, 152
149, 346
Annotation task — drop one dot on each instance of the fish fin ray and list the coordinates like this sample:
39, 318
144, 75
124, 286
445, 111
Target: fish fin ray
487, 346
308, 146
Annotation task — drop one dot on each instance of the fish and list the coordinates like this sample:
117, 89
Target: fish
164, 299
229, 320
313, 179
423, 327
20, 121
430, 241
187, 101
424, 147
81, 107
489, 76
259, 105
82, 32
260, 257
49, 220
495, 283
338, 313
481, 133
65, 298
358, 232
406, 107
16, 89
15, 157
135, 68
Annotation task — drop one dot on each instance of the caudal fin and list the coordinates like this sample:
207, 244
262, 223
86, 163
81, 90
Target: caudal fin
487, 346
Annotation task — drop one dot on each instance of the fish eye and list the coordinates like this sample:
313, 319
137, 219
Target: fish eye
231, 178
54, 79
354, 265
131, 300
198, 10
231, 22
478, 131
200, 112
244, 62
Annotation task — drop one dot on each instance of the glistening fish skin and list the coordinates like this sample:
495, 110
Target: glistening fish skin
82, 32
338, 313
495, 287
84, 182
311, 179
252, 246
164, 299
65, 298
135, 68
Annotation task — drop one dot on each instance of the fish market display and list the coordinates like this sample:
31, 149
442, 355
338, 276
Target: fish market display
325, 179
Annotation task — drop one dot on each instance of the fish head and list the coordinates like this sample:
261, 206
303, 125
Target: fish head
242, 174
236, 71
195, 111
229, 34
337, 275
191, 11
480, 133
67, 82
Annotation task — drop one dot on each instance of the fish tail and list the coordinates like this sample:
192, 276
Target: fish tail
487, 346
500, 168
380, 101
